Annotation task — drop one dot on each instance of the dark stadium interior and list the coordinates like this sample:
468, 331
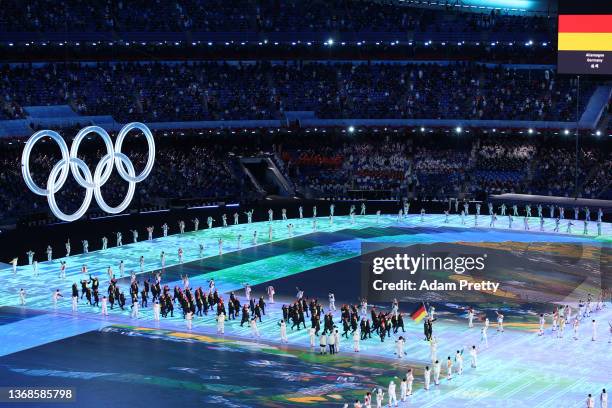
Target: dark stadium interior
285, 147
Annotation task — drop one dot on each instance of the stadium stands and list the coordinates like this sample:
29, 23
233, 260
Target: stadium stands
157, 92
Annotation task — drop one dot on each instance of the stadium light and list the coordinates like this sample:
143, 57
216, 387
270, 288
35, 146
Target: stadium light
566, 132
351, 129
598, 132
530, 131
422, 129
330, 41
458, 129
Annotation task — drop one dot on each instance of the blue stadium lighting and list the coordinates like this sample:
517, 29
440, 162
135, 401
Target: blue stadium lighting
330, 42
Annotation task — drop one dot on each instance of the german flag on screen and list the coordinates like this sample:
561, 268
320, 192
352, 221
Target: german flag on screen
585, 32
419, 313
585, 37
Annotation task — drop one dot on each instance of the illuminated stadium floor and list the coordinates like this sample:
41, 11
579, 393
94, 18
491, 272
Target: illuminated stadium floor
553, 370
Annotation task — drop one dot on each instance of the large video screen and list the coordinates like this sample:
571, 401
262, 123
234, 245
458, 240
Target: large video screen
585, 37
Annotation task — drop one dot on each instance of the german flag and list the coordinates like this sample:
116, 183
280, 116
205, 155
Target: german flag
585, 37
585, 32
419, 313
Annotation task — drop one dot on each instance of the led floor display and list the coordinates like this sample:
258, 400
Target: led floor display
125, 361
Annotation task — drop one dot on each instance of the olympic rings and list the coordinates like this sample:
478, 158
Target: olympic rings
82, 174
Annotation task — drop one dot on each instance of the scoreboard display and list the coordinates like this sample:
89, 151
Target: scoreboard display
585, 37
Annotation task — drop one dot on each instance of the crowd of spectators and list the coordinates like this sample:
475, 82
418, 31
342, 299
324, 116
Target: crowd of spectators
500, 165
181, 171
555, 174
437, 168
155, 92
438, 172
200, 166
254, 16
353, 166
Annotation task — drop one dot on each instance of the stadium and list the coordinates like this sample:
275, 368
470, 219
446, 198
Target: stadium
263, 203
